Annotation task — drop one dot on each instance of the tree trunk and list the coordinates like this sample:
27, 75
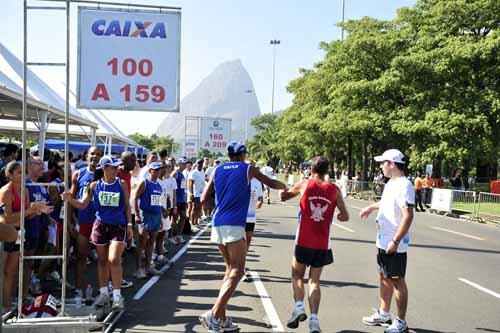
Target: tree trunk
364, 173
436, 167
350, 166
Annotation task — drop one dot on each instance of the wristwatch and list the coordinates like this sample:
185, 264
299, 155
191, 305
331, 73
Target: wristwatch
395, 241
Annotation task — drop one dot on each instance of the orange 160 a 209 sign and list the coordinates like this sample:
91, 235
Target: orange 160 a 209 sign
215, 134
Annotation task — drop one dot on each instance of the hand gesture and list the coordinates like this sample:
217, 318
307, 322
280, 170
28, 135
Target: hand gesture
66, 196
342, 217
391, 248
365, 212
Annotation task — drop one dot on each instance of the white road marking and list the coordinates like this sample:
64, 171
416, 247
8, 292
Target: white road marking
457, 233
274, 319
342, 227
151, 282
483, 289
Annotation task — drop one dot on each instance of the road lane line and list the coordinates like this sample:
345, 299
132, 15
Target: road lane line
483, 289
151, 282
342, 227
271, 313
457, 233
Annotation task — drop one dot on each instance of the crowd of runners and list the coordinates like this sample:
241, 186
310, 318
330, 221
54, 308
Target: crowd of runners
115, 204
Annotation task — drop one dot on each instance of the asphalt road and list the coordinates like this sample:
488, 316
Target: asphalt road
453, 277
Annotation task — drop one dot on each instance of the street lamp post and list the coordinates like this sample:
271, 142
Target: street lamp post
248, 91
274, 42
342, 30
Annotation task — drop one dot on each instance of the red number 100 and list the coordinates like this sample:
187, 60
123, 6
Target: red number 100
130, 67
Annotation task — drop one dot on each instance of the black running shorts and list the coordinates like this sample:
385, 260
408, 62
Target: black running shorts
392, 265
250, 227
313, 257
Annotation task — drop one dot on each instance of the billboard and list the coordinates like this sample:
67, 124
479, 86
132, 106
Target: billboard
190, 148
128, 60
215, 134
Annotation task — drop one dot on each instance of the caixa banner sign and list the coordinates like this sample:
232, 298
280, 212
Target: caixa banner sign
215, 134
128, 60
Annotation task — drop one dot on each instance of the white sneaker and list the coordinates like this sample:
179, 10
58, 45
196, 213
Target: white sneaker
228, 325
55, 276
173, 240
162, 260
298, 315
140, 274
101, 300
377, 319
118, 303
180, 240
210, 323
398, 326
314, 326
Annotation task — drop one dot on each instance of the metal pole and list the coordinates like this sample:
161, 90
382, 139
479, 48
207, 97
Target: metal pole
66, 164
23, 167
41, 136
342, 28
273, 42
1, 283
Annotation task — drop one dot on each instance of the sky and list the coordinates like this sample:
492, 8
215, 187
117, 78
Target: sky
213, 32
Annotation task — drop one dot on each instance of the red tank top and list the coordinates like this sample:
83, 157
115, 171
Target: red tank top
317, 207
16, 196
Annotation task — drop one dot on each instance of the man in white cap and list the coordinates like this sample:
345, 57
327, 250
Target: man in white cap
394, 218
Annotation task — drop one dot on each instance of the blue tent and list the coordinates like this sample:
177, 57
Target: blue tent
79, 147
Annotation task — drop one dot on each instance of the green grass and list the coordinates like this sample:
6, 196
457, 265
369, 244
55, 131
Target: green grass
489, 211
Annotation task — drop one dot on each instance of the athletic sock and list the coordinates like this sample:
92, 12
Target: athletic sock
383, 313
103, 290
299, 305
116, 294
314, 316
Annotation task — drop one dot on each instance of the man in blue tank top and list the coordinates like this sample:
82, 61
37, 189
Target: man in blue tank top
80, 181
231, 183
148, 206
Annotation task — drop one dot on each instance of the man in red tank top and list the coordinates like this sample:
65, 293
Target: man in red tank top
319, 198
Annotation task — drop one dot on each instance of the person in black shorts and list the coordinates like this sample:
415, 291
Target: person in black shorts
394, 218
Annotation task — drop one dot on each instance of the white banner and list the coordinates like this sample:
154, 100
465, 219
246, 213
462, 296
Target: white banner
215, 134
442, 200
128, 60
190, 148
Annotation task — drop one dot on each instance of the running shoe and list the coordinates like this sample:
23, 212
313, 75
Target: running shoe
162, 260
140, 274
55, 276
298, 315
398, 326
228, 325
173, 240
377, 319
126, 284
181, 240
101, 301
210, 322
118, 303
314, 326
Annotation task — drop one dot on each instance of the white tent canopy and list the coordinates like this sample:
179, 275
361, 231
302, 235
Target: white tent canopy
46, 108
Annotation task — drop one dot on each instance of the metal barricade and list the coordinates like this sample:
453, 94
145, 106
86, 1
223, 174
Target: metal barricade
365, 190
464, 201
488, 207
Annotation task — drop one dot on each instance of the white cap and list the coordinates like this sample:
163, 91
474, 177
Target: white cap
391, 155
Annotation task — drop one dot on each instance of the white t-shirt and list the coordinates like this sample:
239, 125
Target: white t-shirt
144, 173
208, 173
168, 186
255, 193
267, 171
198, 178
398, 193
134, 182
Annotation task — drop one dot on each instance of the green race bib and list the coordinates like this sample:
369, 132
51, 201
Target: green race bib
109, 199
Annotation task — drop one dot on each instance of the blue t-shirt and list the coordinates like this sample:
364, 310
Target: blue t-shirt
84, 180
151, 198
34, 224
109, 202
232, 194
180, 193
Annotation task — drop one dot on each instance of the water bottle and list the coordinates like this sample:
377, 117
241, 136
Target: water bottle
88, 294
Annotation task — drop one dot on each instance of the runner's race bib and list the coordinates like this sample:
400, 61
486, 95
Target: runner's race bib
61, 215
109, 199
156, 200
183, 184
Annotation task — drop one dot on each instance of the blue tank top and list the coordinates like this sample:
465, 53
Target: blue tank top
109, 202
232, 194
180, 193
151, 197
84, 180
33, 225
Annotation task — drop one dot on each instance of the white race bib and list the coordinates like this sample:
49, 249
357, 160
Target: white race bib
156, 200
109, 199
183, 184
